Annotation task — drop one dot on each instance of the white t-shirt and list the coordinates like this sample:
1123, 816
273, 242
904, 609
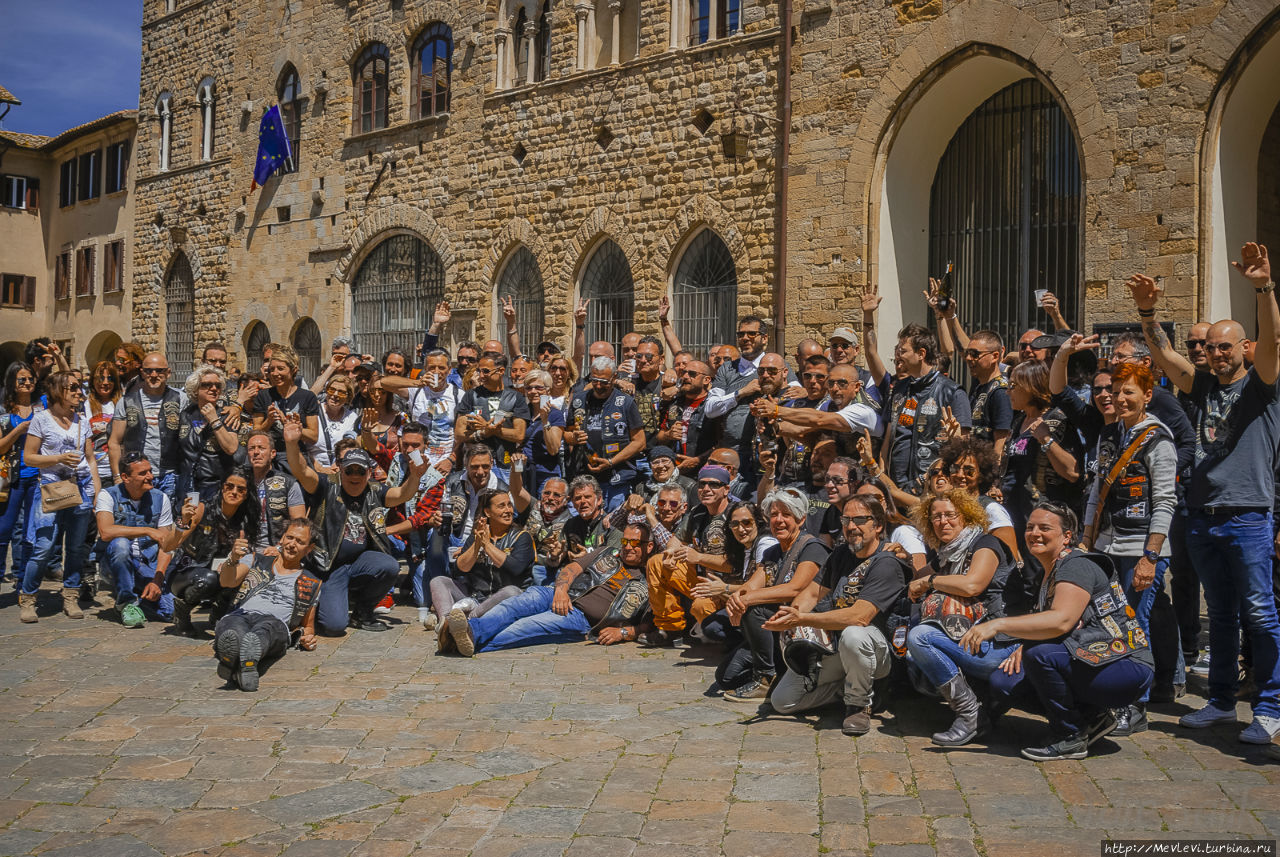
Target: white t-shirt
910, 539
337, 430
55, 440
100, 428
997, 517
436, 412
107, 503
858, 417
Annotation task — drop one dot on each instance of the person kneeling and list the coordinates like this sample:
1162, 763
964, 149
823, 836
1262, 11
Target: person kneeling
277, 598
1091, 655
581, 600
851, 598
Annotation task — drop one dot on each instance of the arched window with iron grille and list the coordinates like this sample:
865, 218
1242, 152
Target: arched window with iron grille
393, 293
371, 89
522, 281
1005, 208
179, 318
255, 340
704, 295
289, 94
607, 283
307, 342
432, 70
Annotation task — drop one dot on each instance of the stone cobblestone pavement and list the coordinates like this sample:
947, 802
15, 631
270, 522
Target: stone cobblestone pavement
123, 743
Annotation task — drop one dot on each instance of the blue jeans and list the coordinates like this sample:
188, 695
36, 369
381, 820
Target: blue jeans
23, 494
1233, 558
360, 584
132, 573
527, 620
1071, 690
939, 657
1143, 601
614, 494
71, 525
434, 563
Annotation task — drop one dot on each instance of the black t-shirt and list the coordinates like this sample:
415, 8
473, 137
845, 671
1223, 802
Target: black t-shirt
815, 552
1081, 572
990, 408
705, 532
577, 531
302, 402
1029, 477
502, 407
1237, 429
880, 579
485, 578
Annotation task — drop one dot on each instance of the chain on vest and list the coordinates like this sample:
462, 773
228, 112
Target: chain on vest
170, 424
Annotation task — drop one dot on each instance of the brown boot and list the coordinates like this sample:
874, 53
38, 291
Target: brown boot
27, 607
71, 604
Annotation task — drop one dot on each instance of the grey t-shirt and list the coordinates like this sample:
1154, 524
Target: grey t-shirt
1237, 428
275, 599
151, 415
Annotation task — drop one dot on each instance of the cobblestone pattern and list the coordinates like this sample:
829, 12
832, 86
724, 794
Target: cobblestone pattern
122, 743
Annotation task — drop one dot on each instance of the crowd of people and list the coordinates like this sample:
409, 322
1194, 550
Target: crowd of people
847, 531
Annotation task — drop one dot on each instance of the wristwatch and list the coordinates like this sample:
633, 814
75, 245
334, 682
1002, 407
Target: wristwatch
1269, 287
1047, 442
1154, 556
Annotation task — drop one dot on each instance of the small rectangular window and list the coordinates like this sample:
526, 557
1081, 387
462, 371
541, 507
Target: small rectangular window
13, 191
113, 268
11, 290
62, 277
84, 272
90, 183
67, 183
117, 166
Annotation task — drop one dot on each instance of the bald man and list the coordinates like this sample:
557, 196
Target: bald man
1231, 492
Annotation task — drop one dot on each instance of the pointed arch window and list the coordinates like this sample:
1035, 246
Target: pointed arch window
393, 293
289, 96
256, 339
371, 89
179, 317
433, 70
607, 283
523, 47
521, 279
308, 344
704, 294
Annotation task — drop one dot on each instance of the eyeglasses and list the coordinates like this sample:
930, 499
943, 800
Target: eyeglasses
1026, 346
940, 517
467, 361
550, 494
974, 354
744, 334
642, 355
691, 373
631, 543
73, 389
601, 382
838, 382
210, 385
670, 504
337, 393
840, 345
967, 470
355, 470
558, 369
769, 370
856, 520
25, 380
1221, 347
1099, 389
741, 525
814, 376
239, 489
155, 371
1195, 343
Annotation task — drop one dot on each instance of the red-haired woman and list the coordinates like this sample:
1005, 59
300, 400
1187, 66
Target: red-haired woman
1132, 503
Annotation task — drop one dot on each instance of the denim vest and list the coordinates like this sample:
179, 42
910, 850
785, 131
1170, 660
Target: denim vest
143, 512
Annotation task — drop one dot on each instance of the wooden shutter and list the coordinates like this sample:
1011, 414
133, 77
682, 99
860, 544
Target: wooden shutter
33, 196
29, 292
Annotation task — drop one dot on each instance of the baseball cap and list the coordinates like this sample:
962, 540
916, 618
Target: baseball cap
357, 457
845, 333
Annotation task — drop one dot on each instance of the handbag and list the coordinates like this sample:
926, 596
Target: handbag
803, 649
954, 614
63, 494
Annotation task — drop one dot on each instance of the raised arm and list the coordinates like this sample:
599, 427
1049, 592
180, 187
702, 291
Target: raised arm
307, 478
870, 303
1146, 293
513, 335
1058, 370
1255, 266
668, 329
580, 333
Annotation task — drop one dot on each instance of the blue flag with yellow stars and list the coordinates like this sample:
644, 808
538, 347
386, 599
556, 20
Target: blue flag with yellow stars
273, 147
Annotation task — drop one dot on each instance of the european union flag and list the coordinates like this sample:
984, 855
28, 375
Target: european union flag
273, 147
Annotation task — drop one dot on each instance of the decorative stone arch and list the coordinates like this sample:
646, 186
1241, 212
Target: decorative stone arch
400, 217
301, 64
366, 35
1243, 76
517, 232
602, 223
699, 212
428, 13
994, 45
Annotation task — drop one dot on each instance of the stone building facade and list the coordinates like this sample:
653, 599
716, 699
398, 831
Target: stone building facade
628, 149
66, 217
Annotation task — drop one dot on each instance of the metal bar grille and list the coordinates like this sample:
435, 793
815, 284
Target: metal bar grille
259, 336
306, 341
1004, 208
393, 294
705, 295
607, 283
179, 319
522, 280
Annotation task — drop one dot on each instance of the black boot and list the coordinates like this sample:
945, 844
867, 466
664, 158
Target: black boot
182, 618
1130, 720
969, 722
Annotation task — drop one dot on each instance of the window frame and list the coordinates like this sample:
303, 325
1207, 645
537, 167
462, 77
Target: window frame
62, 276
91, 163
378, 118
9, 187
440, 101
290, 114
25, 291
85, 271
113, 267
116, 168
68, 173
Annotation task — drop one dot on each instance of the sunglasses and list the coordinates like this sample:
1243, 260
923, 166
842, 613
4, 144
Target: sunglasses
1026, 346
355, 470
631, 543
838, 382
967, 470
1221, 347
814, 376
601, 382
1098, 389
710, 484
210, 385
974, 354
856, 520
837, 480
741, 525
155, 371
1195, 343
743, 334
239, 489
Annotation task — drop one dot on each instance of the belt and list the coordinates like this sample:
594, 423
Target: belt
1230, 511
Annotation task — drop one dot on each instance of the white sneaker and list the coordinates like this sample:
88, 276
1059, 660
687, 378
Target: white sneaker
382, 610
1261, 731
427, 617
1207, 716
1201, 666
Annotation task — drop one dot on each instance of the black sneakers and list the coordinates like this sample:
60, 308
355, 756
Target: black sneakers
1072, 747
1130, 720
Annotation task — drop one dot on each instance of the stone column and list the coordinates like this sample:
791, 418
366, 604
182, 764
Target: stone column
676, 6
615, 14
206, 113
500, 76
582, 10
166, 123
530, 35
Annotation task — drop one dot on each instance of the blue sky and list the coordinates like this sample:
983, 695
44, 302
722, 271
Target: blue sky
69, 61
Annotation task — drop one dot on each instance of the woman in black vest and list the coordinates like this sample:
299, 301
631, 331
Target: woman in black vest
208, 445
1084, 654
963, 585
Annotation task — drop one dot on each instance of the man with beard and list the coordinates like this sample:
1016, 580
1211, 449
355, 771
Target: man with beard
843, 415
546, 523
683, 426
560, 613
586, 531
851, 598
492, 414
148, 420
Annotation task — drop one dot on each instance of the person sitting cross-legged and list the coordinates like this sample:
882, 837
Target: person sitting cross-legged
859, 585
276, 599
562, 613
135, 523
